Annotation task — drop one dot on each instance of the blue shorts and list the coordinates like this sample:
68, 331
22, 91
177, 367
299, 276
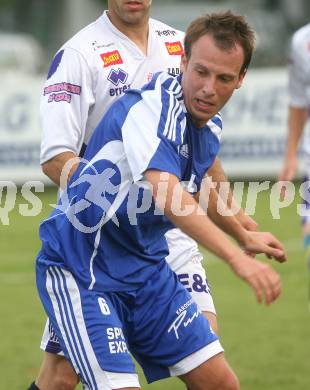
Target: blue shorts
159, 324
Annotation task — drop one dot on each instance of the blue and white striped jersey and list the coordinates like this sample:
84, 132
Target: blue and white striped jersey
106, 229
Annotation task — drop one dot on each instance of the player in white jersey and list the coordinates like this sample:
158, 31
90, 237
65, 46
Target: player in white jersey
89, 72
298, 115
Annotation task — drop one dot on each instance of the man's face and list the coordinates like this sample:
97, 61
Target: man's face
130, 11
210, 76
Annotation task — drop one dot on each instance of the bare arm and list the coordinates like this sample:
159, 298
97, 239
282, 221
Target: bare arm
297, 118
198, 225
251, 241
53, 168
218, 176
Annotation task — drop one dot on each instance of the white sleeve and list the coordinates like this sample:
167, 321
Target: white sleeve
66, 99
297, 91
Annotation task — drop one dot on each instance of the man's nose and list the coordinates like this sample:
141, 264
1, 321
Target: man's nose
209, 86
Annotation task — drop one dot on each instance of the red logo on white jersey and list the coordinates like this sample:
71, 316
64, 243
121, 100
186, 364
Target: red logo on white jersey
111, 58
174, 48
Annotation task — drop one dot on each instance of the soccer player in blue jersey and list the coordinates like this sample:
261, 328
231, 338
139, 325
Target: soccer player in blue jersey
102, 275
88, 73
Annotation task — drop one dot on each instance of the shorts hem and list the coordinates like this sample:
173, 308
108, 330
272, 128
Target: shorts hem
195, 359
55, 351
115, 382
203, 307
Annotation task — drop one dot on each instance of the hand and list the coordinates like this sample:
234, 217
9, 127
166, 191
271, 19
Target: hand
261, 277
288, 173
264, 242
248, 223
289, 169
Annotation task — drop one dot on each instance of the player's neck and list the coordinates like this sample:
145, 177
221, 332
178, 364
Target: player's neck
138, 33
139, 37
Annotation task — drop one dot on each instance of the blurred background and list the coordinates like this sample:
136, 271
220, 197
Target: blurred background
268, 347
47, 24
31, 31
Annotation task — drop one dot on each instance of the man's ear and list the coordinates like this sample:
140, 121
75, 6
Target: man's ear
184, 63
241, 78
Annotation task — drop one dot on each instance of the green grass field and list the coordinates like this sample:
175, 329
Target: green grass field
269, 347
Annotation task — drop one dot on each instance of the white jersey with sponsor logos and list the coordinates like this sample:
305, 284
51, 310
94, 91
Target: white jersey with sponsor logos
88, 74
91, 71
299, 75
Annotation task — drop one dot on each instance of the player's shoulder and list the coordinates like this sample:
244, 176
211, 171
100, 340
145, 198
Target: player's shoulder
164, 95
87, 40
161, 88
161, 97
165, 83
163, 30
301, 36
215, 125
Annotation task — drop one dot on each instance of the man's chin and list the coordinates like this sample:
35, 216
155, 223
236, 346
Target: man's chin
206, 117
